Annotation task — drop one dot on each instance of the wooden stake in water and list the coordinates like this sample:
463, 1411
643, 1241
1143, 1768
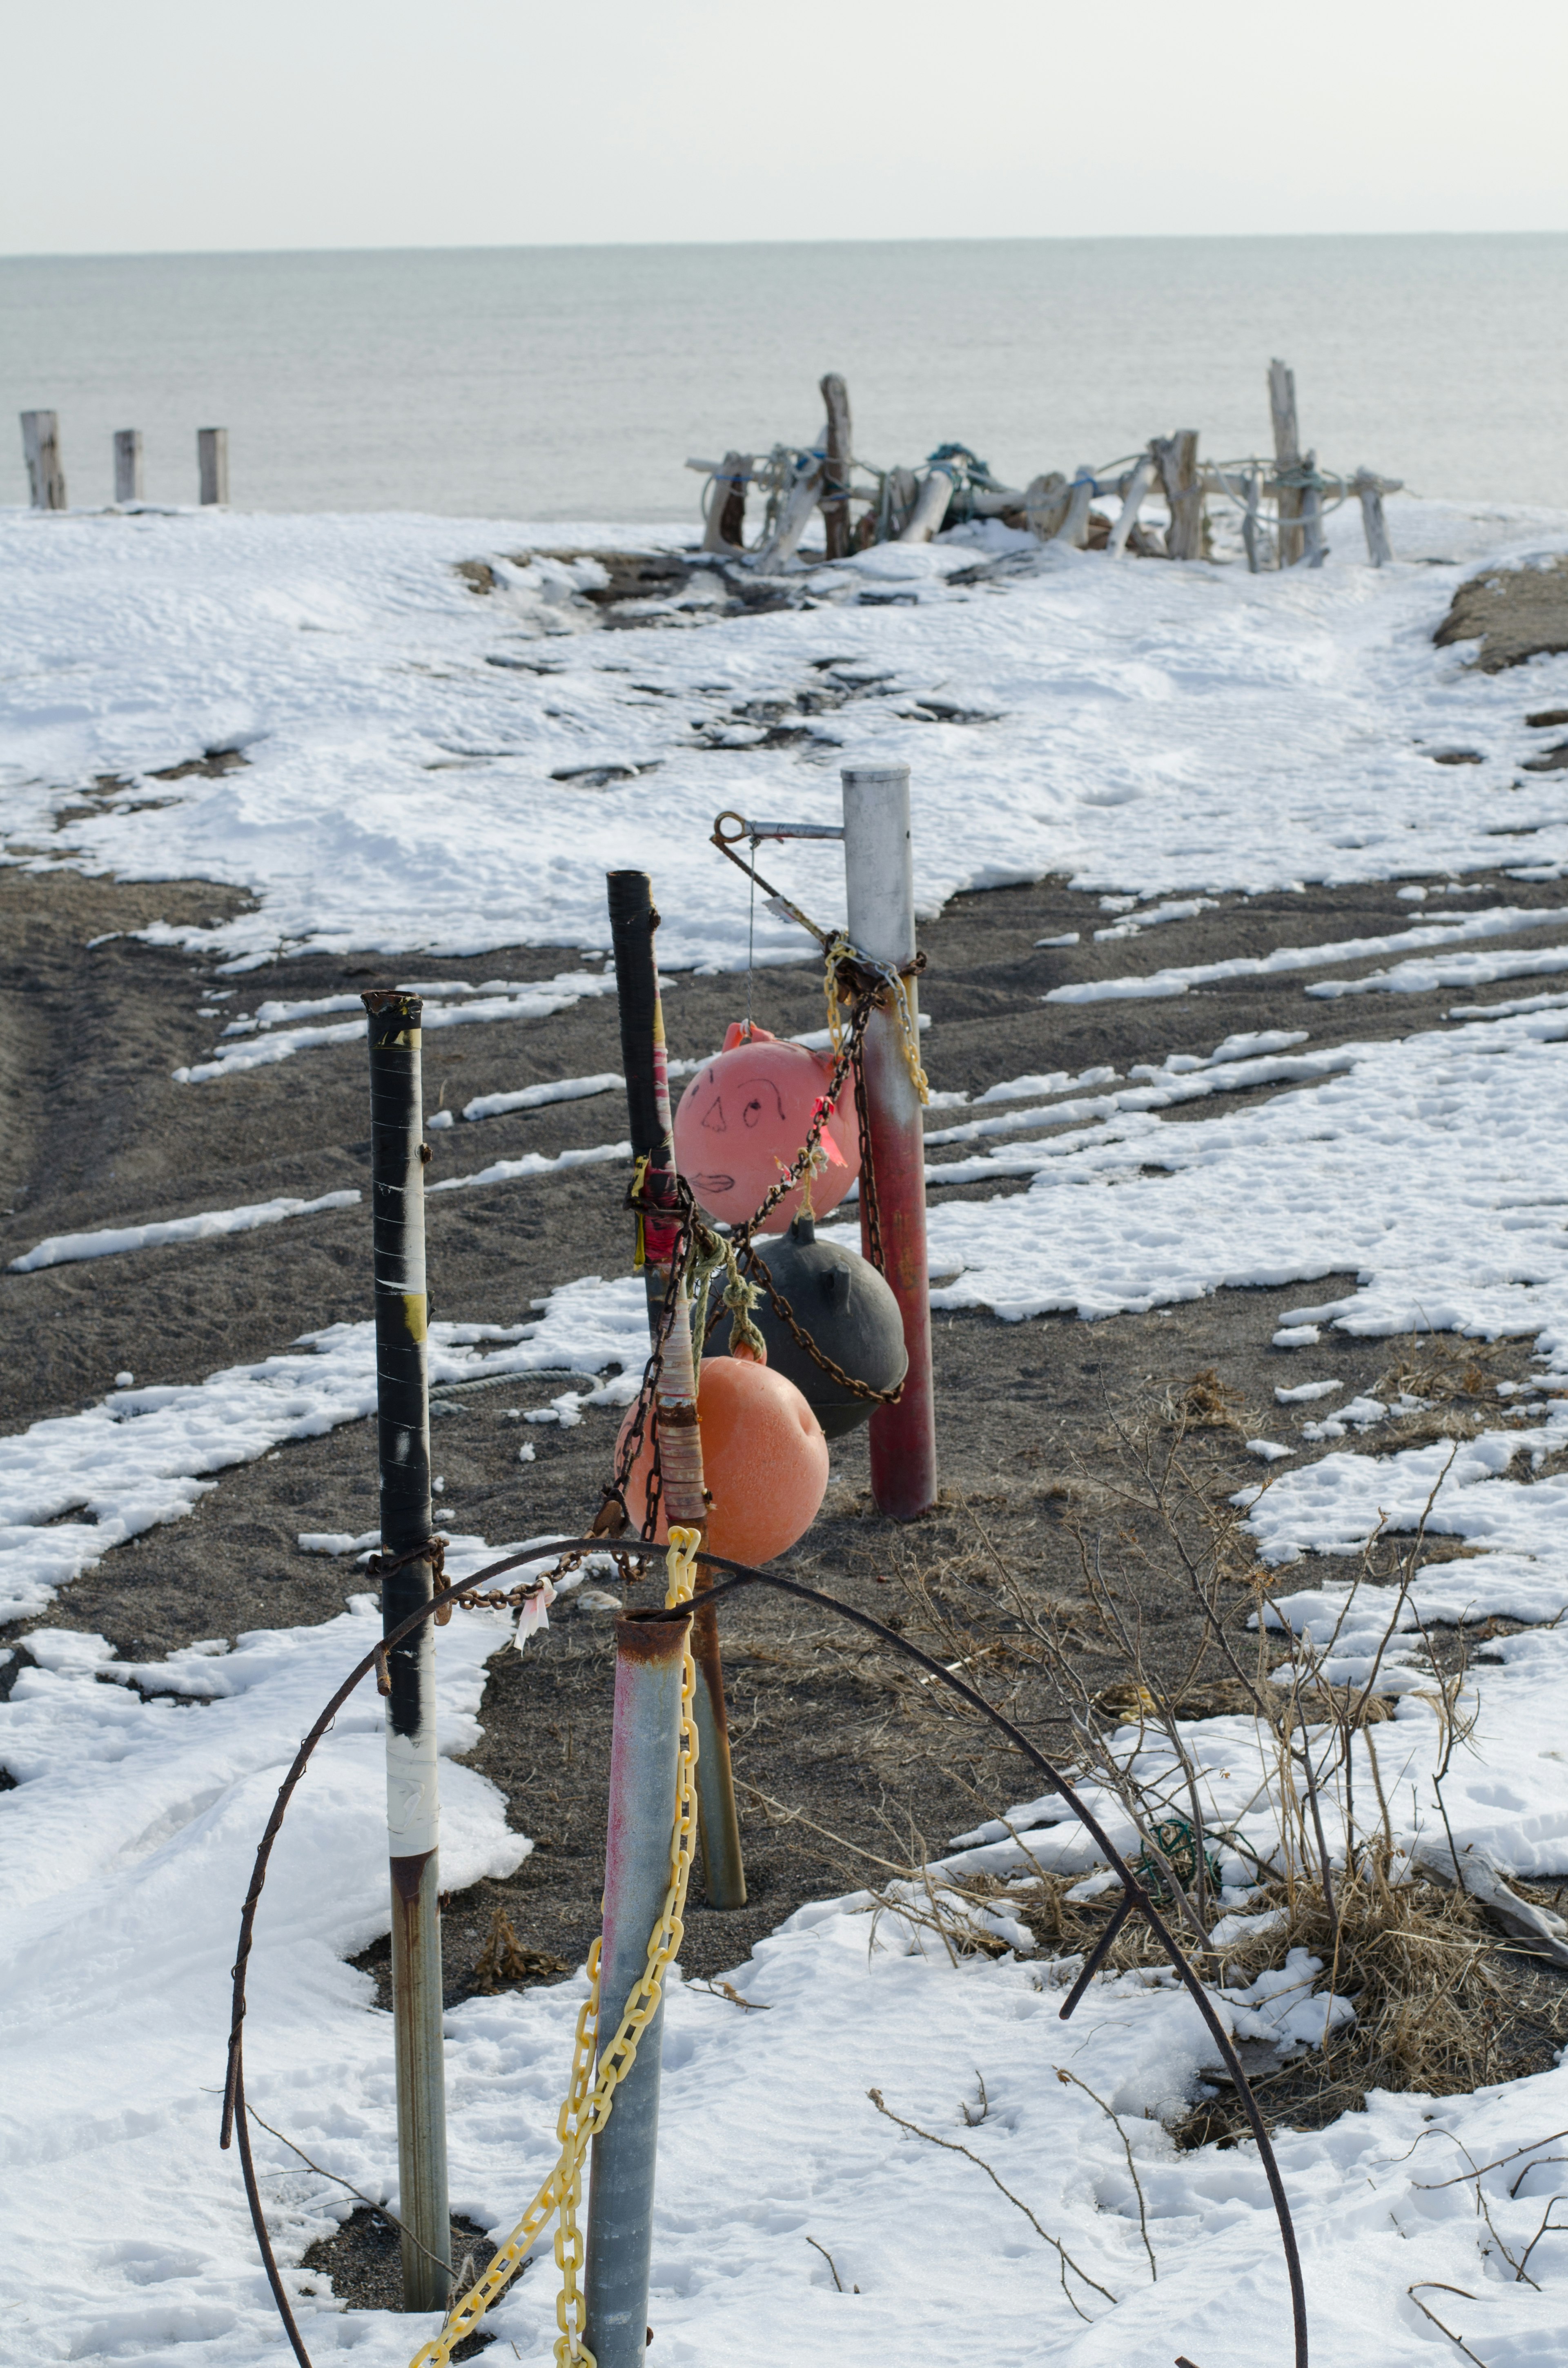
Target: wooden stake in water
128, 464
213, 465
40, 449
403, 1421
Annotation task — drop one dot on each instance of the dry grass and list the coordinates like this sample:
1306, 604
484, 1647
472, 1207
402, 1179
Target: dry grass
1204, 1403
1313, 1704
1442, 2005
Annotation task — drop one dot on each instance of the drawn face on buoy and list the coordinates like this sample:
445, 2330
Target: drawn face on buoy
743, 1120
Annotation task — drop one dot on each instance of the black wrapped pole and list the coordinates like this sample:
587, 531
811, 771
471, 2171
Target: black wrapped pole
633, 922
403, 1417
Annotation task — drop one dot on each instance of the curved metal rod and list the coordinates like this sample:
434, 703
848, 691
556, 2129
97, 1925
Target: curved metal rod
736, 1575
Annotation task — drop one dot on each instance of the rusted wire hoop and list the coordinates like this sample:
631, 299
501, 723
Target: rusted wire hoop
736, 1575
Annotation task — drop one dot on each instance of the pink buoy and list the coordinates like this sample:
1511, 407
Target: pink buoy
764, 1461
743, 1120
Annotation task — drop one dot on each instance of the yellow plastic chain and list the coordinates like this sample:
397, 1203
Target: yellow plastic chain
587, 2103
908, 1034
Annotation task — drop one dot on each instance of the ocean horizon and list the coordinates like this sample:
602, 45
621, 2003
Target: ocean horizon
575, 381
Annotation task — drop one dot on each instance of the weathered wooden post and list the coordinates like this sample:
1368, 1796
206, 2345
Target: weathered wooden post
1251, 526
128, 464
212, 463
726, 527
794, 517
930, 506
879, 880
1176, 457
650, 1654
402, 1425
633, 922
1074, 527
1045, 505
835, 474
1137, 485
1312, 514
41, 448
1287, 455
1369, 490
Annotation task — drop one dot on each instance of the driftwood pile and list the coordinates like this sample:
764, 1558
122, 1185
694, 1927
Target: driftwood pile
861, 504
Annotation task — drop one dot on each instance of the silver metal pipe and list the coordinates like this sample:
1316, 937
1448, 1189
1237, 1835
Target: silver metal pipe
649, 1653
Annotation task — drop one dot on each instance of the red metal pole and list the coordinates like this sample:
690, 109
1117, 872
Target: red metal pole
879, 874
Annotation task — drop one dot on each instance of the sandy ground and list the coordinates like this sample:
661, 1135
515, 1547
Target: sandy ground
102, 1135
848, 1768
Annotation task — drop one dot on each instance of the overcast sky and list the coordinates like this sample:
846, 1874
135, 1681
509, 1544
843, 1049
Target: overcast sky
183, 124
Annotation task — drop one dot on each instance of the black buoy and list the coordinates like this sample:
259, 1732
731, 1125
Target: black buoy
841, 1300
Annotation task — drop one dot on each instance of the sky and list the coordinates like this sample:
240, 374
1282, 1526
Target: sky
186, 125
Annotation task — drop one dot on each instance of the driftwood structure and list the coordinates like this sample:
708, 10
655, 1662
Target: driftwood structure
862, 505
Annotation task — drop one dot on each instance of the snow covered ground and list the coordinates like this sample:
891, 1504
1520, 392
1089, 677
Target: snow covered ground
417, 755
1160, 732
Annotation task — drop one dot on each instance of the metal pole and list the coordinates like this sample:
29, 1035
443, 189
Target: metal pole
633, 924
880, 879
649, 1649
403, 1406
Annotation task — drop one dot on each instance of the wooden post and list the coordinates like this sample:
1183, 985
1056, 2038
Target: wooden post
901, 491
40, 444
128, 464
793, 519
1045, 505
1312, 517
1252, 527
930, 506
212, 460
1287, 455
1176, 457
633, 924
1138, 484
1074, 527
403, 1419
1368, 491
879, 877
835, 474
726, 529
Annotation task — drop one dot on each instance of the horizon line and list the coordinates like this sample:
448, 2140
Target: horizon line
733, 245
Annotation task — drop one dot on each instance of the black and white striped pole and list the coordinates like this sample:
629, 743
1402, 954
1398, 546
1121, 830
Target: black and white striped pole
403, 1410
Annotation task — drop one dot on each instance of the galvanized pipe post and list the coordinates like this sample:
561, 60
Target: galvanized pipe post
650, 1651
879, 880
402, 1407
633, 924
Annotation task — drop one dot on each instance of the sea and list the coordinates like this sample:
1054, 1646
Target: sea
559, 382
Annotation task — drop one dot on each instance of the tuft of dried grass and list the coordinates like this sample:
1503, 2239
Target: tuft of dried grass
1204, 1403
1423, 1968
1441, 1369
505, 1959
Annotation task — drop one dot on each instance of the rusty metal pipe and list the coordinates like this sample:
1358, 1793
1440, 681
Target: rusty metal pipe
879, 880
403, 1412
650, 1651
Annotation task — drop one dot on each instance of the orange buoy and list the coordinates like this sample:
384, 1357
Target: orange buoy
743, 1120
764, 1461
